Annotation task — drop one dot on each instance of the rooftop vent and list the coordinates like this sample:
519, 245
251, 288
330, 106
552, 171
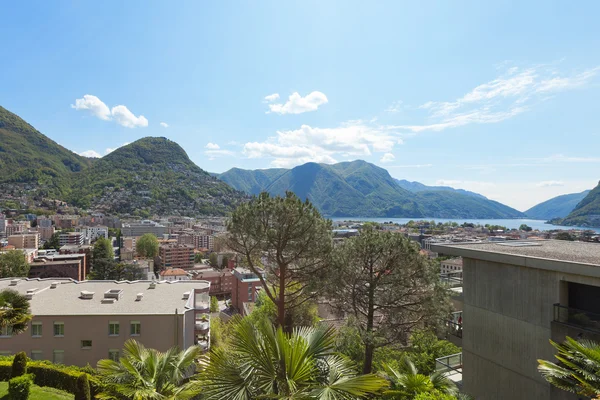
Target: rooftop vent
29, 295
186, 295
84, 294
152, 285
108, 301
13, 282
31, 290
139, 297
113, 294
54, 285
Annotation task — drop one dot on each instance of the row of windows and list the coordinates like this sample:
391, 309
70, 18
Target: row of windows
58, 356
135, 329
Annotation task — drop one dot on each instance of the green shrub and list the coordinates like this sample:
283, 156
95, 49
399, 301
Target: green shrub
19, 387
82, 391
5, 370
19, 365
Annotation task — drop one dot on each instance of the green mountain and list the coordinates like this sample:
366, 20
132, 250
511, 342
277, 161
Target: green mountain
419, 187
251, 182
150, 176
28, 157
587, 212
359, 188
556, 207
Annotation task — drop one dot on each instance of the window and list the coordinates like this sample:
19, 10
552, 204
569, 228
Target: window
113, 354
58, 356
6, 331
86, 344
36, 329
36, 355
59, 329
136, 328
113, 328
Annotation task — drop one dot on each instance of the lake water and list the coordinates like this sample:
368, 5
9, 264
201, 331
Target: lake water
509, 223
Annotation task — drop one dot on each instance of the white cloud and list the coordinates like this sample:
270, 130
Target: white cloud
94, 105
164, 124
272, 97
395, 107
212, 146
297, 104
293, 147
120, 114
387, 157
90, 153
504, 97
550, 183
124, 117
467, 185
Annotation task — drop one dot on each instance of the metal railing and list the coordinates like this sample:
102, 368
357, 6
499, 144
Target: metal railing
449, 363
452, 279
576, 317
453, 328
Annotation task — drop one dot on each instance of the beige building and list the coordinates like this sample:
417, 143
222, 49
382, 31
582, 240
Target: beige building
79, 323
25, 241
46, 232
516, 295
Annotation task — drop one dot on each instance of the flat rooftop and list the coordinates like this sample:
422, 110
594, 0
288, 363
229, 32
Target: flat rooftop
519, 251
65, 298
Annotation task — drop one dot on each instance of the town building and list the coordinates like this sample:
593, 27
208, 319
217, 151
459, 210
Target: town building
71, 238
516, 295
82, 250
63, 221
25, 241
221, 282
73, 268
92, 233
141, 228
80, 323
173, 255
174, 274
245, 288
44, 222
46, 232
450, 266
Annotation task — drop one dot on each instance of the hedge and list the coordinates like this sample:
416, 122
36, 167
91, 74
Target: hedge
19, 387
53, 375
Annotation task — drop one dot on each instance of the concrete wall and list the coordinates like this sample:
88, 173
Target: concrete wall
507, 315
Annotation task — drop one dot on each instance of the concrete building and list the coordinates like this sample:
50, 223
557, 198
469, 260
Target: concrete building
63, 221
516, 296
451, 265
25, 241
221, 282
84, 250
79, 323
92, 233
44, 222
46, 232
141, 228
174, 255
71, 238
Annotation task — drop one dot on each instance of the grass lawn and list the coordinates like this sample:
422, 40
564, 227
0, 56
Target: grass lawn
38, 393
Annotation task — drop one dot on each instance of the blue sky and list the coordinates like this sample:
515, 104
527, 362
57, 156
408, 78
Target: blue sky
501, 98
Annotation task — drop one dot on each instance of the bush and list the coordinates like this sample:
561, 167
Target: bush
19, 387
5, 370
19, 365
82, 391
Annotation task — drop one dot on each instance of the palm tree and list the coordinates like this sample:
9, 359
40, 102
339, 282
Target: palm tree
578, 369
14, 311
147, 374
265, 362
408, 383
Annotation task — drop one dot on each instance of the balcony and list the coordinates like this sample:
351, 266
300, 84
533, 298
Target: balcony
577, 318
450, 367
454, 324
453, 281
202, 325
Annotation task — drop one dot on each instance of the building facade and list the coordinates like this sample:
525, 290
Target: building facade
25, 241
141, 228
79, 323
174, 255
71, 238
516, 296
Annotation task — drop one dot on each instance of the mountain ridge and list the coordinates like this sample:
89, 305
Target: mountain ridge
587, 211
358, 188
556, 207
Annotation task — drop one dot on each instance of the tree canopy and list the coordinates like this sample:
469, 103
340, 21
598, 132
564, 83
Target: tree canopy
14, 311
147, 246
388, 286
103, 249
13, 264
289, 240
